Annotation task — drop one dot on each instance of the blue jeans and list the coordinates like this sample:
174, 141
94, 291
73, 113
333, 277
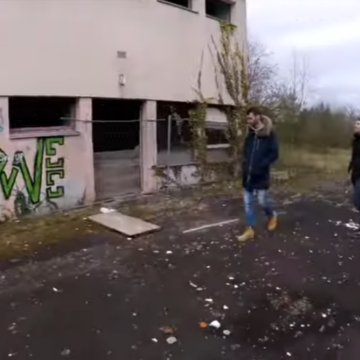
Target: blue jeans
263, 200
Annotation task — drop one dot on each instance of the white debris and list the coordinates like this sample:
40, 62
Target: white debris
56, 290
193, 285
288, 354
209, 300
171, 340
169, 252
154, 340
226, 332
105, 210
65, 352
352, 225
215, 324
225, 307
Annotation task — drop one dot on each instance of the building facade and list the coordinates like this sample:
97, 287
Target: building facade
69, 65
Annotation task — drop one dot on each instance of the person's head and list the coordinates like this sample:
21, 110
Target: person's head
357, 126
253, 116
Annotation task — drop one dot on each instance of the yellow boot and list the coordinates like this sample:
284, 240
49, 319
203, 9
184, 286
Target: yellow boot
273, 223
248, 234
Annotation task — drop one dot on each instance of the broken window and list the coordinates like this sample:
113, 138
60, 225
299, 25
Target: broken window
216, 127
40, 112
182, 3
173, 125
216, 133
174, 133
116, 124
219, 9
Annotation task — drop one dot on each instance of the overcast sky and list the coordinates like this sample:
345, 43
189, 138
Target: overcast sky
326, 33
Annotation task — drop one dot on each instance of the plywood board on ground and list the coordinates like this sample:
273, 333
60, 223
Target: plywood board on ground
124, 224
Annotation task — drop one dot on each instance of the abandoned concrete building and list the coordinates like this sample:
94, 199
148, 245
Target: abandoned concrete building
87, 88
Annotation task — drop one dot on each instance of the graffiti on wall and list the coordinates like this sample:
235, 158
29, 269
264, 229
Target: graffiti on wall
45, 161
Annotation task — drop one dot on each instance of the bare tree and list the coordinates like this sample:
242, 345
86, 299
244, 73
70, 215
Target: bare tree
289, 93
262, 74
352, 112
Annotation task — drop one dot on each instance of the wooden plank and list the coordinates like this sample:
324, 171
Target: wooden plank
124, 224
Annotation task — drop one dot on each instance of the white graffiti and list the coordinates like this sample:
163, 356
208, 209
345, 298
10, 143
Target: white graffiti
18, 157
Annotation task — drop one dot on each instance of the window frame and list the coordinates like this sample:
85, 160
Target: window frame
187, 8
231, 5
220, 126
67, 128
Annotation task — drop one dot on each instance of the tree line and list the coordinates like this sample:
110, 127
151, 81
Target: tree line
287, 100
251, 77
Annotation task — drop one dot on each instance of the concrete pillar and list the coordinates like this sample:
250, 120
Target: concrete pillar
198, 6
83, 124
148, 147
6, 206
4, 121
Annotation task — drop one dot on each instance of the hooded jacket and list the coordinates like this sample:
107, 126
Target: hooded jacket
260, 151
354, 165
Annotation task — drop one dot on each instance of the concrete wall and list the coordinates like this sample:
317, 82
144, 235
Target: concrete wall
177, 176
70, 48
187, 175
40, 172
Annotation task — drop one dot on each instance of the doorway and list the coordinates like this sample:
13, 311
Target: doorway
116, 140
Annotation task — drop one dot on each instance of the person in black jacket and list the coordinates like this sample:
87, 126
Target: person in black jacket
260, 151
354, 166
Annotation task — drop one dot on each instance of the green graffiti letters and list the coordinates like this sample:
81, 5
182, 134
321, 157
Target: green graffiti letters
59, 191
33, 180
7, 183
59, 164
32, 184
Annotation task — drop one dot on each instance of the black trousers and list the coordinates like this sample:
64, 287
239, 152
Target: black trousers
356, 195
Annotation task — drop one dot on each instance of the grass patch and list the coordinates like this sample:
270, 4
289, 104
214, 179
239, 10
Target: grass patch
27, 235
331, 161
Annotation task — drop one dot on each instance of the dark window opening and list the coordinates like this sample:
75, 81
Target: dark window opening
175, 115
216, 134
116, 124
183, 3
219, 9
39, 112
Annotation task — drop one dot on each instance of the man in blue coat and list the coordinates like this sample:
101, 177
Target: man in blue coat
259, 153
